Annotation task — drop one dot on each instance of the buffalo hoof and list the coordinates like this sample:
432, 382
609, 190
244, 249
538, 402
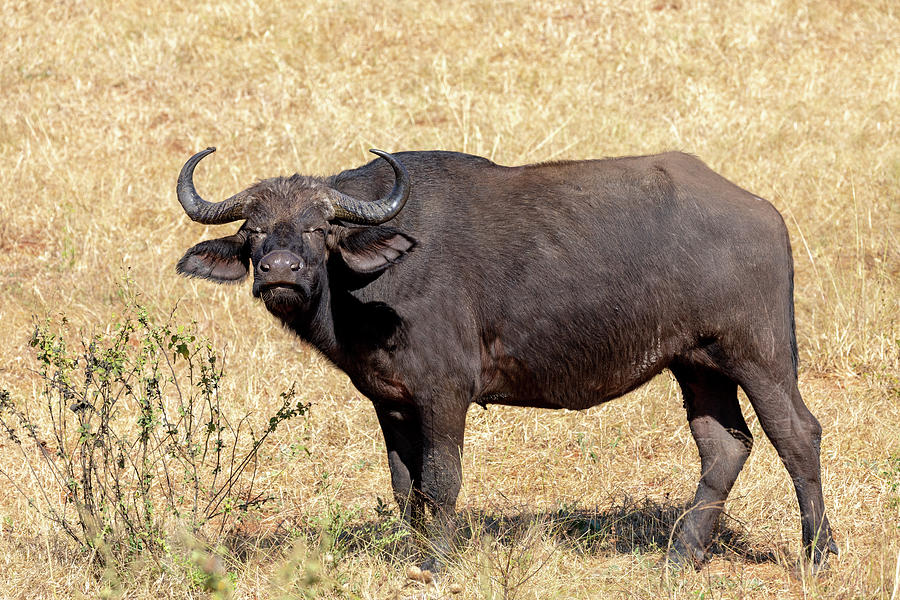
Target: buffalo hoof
433, 565
681, 557
816, 562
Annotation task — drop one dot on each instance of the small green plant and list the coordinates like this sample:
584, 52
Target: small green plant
334, 522
389, 532
206, 572
583, 441
890, 472
131, 438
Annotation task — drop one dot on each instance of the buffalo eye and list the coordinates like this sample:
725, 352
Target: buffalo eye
257, 234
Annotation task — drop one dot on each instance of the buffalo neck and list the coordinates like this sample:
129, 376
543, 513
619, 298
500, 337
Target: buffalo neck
316, 326
342, 325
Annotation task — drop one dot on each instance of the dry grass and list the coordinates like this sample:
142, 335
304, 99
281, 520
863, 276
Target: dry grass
102, 102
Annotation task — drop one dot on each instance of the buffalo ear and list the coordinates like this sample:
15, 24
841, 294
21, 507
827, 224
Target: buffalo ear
225, 260
369, 250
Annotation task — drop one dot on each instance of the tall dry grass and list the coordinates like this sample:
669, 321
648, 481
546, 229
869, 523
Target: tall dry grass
797, 101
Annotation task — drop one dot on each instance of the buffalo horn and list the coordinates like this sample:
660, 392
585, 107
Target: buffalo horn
351, 210
198, 209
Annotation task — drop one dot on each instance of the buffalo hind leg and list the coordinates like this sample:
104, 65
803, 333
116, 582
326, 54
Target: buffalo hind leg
796, 435
724, 443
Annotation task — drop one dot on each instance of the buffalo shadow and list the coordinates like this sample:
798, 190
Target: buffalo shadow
629, 527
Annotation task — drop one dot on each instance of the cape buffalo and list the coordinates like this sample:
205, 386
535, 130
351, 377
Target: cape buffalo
436, 280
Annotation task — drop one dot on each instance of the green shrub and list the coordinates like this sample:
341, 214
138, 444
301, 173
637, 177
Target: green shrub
131, 441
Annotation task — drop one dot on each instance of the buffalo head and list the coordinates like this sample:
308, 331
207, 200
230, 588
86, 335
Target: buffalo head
295, 230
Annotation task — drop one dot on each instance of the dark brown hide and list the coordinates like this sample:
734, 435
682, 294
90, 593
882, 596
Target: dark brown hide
560, 285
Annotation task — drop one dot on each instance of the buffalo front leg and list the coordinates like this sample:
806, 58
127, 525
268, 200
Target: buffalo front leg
403, 440
443, 426
724, 443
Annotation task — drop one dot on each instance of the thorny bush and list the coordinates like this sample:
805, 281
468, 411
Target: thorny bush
127, 439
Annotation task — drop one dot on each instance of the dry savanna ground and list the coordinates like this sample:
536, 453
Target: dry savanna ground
101, 104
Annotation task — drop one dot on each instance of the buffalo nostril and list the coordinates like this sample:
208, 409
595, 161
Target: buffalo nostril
280, 265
